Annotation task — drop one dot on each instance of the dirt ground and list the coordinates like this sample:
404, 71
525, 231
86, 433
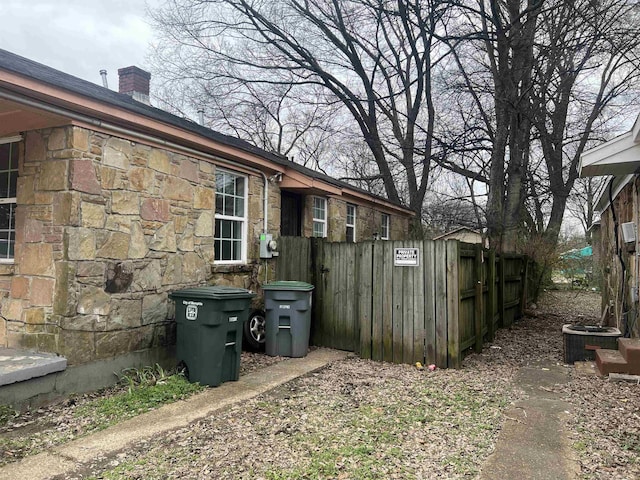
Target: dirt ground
364, 419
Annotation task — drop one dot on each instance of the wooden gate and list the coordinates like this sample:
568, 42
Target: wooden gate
453, 298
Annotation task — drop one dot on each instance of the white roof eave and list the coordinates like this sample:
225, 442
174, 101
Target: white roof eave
616, 184
619, 156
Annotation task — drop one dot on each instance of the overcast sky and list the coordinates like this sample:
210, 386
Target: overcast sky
79, 37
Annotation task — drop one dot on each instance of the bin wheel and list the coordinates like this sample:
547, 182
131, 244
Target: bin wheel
183, 369
254, 331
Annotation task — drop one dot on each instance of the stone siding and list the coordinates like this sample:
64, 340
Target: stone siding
626, 207
105, 229
368, 221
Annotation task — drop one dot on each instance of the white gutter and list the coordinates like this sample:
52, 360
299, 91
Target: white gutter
144, 137
602, 202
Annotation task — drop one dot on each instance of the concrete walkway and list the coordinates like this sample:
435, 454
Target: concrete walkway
70, 457
532, 444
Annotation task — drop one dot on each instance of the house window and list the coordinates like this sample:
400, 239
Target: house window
351, 223
384, 226
8, 181
230, 237
319, 217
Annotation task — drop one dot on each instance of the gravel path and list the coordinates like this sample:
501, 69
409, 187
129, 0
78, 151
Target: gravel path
363, 419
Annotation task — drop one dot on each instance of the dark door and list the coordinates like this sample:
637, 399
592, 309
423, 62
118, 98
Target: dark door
290, 214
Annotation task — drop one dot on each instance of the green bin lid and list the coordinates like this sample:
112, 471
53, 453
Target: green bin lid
288, 285
215, 292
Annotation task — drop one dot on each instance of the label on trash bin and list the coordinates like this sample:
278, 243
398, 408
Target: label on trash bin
284, 307
233, 319
192, 309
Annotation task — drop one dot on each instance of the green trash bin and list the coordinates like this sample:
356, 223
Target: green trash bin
209, 331
288, 318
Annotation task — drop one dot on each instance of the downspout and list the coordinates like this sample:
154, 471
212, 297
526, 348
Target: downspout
144, 137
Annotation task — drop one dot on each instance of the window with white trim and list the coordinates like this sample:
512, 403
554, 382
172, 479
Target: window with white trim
384, 227
230, 236
319, 212
9, 148
351, 223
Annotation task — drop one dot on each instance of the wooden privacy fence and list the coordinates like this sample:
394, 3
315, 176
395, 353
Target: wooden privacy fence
406, 301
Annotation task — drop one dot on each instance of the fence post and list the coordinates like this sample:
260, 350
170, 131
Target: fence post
477, 304
491, 296
453, 304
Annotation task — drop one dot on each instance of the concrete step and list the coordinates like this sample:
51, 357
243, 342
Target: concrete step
630, 350
611, 361
21, 365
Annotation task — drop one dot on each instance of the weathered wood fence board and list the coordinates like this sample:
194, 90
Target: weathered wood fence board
454, 298
365, 298
429, 302
298, 264
440, 298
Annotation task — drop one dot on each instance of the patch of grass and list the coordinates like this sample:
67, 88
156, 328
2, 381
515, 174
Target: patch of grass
139, 398
13, 447
7, 413
124, 469
367, 443
362, 462
147, 468
580, 446
144, 389
462, 465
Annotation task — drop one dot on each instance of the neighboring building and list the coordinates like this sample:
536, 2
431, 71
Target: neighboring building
464, 234
615, 240
107, 204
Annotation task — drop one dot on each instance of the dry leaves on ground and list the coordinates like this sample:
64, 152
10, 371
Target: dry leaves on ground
363, 419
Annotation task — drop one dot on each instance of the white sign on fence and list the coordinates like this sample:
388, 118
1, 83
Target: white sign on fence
406, 257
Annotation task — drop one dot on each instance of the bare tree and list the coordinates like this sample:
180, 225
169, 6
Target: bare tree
588, 65
543, 74
581, 204
376, 58
278, 118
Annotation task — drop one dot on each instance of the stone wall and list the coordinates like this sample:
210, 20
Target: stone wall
368, 221
105, 228
399, 228
610, 262
336, 220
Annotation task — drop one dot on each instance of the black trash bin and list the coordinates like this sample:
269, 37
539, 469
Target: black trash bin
288, 318
209, 331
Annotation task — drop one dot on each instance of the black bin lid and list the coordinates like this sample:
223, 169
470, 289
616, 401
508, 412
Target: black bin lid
288, 285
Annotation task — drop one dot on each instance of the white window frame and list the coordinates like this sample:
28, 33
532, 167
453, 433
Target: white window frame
241, 220
385, 225
10, 200
353, 223
319, 220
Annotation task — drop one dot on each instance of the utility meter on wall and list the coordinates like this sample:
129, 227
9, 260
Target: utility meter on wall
268, 246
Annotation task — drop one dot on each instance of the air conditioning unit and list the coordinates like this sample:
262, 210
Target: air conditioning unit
629, 232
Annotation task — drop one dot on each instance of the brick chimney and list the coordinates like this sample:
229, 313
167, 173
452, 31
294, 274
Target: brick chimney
135, 82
